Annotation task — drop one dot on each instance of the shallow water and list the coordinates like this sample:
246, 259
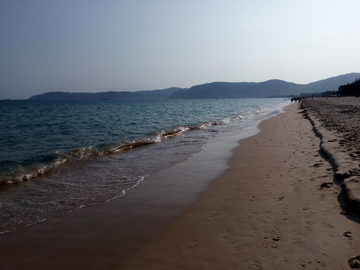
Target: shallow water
68, 155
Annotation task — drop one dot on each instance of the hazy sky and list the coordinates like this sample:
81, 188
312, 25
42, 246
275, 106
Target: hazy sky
103, 45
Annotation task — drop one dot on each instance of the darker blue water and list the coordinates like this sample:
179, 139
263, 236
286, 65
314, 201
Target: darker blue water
42, 133
59, 156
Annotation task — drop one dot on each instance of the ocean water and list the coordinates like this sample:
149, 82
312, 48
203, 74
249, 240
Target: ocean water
59, 156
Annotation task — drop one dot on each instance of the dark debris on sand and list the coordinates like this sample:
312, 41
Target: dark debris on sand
340, 115
337, 122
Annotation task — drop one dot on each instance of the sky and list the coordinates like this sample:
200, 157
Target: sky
131, 45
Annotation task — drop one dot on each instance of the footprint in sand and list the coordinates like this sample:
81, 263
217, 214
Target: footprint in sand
317, 165
354, 262
256, 266
326, 185
253, 214
190, 247
347, 234
276, 238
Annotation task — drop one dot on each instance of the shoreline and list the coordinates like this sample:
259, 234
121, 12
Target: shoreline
93, 180
102, 235
266, 210
276, 207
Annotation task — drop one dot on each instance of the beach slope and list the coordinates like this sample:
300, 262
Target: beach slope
276, 207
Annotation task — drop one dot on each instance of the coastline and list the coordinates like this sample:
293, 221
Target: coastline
89, 172
101, 236
267, 209
276, 207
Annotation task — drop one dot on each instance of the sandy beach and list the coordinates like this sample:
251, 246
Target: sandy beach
276, 206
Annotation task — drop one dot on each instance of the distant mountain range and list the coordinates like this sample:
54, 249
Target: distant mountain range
125, 95
271, 88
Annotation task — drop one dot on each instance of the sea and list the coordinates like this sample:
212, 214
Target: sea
60, 156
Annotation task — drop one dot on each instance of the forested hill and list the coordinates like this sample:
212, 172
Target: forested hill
238, 90
271, 88
124, 95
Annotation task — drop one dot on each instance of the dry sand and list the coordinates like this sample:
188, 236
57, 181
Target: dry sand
276, 207
337, 122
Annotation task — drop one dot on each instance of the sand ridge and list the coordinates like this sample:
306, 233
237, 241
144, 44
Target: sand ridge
276, 207
337, 122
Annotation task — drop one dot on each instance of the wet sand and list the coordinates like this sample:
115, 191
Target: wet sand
275, 207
